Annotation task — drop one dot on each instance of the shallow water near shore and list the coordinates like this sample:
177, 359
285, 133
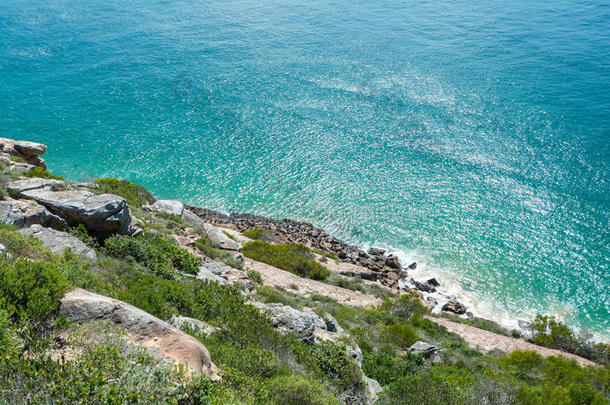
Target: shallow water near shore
473, 138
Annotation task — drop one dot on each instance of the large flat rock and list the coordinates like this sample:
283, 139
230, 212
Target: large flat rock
219, 239
172, 207
33, 183
107, 213
23, 213
57, 241
158, 336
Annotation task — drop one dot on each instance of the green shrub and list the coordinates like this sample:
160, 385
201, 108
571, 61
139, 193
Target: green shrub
21, 245
334, 362
260, 234
30, 291
227, 257
254, 276
385, 367
8, 339
81, 233
294, 390
153, 252
17, 159
400, 334
42, 173
134, 194
296, 258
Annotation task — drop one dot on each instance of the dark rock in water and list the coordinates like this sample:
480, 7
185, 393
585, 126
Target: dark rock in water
433, 282
412, 266
422, 348
455, 307
392, 262
425, 286
342, 255
432, 299
469, 314
376, 251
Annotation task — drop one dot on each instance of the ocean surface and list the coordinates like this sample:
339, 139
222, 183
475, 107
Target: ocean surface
471, 136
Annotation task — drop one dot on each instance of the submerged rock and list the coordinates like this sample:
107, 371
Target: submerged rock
161, 338
57, 241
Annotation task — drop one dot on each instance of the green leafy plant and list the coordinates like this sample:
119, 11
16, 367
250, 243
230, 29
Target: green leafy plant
254, 276
228, 258
134, 194
296, 258
42, 173
259, 234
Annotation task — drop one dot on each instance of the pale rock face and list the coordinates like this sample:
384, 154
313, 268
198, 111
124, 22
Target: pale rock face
33, 183
191, 219
422, 348
30, 148
161, 338
57, 241
23, 213
219, 239
105, 213
172, 207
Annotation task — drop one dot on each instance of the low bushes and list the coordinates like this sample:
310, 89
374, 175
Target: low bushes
259, 234
153, 252
134, 194
296, 258
42, 173
227, 257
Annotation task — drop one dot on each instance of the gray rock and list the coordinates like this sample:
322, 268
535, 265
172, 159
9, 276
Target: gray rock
104, 213
455, 307
23, 213
216, 268
423, 349
288, 319
161, 338
33, 183
191, 219
526, 329
355, 353
372, 390
376, 251
239, 258
219, 239
436, 358
206, 274
172, 207
392, 262
2, 248
21, 167
412, 266
57, 241
424, 286
179, 321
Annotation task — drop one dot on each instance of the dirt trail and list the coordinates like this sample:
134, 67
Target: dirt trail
279, 278
486, 341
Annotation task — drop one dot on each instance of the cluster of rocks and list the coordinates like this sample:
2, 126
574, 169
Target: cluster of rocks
28, 153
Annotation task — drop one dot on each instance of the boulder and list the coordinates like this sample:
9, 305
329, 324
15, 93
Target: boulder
206, 274
179, 321
424, 286
376, 251
23, 213
33, 183
412, 266
104, 213
57, 241
454, 306
287, 319
372, 390
191, 219
161, 338
30, 148
2, 248
172, 207
219, 239
392, 262
423, 349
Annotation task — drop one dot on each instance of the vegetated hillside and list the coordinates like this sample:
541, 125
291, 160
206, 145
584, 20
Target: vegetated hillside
271, 345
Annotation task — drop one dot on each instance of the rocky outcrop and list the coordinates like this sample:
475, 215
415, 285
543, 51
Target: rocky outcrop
192, 219
161, 338
28, 151
288, 319
33, 183
423, 349
219, 239
23, 213
104, 213
196, 324
454, 306
57, 241
171, 207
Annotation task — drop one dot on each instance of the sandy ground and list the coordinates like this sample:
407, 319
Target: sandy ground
486, 341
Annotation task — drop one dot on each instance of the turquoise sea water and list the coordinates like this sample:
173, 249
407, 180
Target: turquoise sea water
472, 136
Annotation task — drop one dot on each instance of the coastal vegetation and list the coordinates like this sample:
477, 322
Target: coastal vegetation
295, 258
44, 358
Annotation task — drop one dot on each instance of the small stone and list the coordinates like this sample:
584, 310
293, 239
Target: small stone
422, 348
412, 266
